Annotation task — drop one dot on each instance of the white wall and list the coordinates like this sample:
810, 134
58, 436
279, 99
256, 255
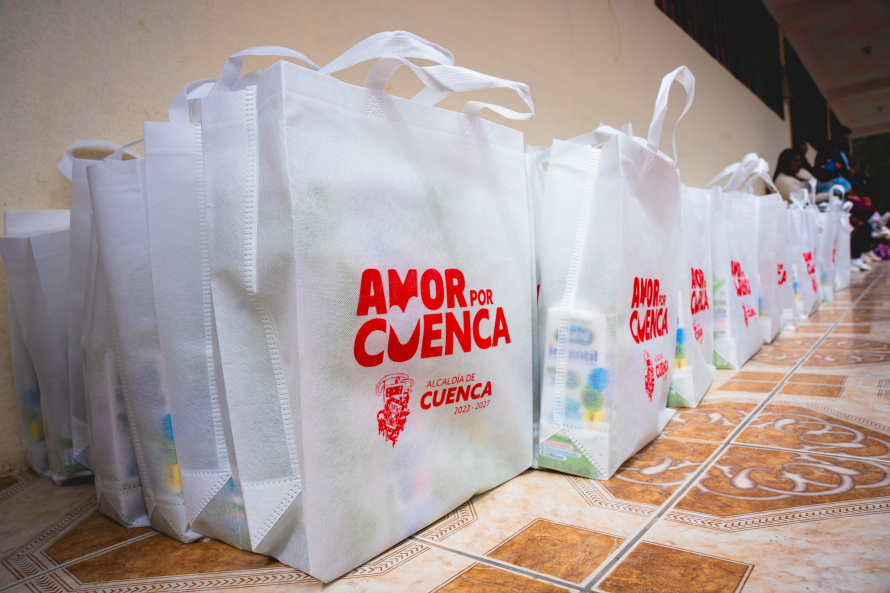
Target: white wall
80, 69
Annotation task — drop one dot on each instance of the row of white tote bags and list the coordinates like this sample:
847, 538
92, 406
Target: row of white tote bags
315, 317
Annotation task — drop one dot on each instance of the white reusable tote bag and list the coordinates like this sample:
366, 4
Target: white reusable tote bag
842, 259
20, 224
828, 227
740, 186
41, 304
393, 263
737, 332
693, 360
75, 170
610, 282
536, 158
784, 274
118, 485
181, 281
247, 377
117, 195
801, 253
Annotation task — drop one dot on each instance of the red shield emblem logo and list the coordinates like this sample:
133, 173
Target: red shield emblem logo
395, 389
650, 375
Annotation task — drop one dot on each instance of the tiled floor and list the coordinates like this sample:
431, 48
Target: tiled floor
778, 481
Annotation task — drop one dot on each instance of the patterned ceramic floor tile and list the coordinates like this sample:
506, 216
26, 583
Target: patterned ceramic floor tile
798, 424
647, 479
754, 390
808, 556
80, 533
873, 378
492, 518
650, 568
785, 351
753, 488
157, 563
713, 420
841, 329
481, 578
562, 551
37, 507
848, 353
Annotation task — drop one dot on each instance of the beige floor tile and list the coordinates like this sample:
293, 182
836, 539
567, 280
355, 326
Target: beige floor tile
713, 420
491, 518
856, 423
36, 507
652, 567
159, 564
801, 557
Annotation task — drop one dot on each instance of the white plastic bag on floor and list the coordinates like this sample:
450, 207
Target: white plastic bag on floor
801, 253
117, 194
842, 255
118, 485
75, 170
610, 281
21, 223
787, 296
693, 368
37, 276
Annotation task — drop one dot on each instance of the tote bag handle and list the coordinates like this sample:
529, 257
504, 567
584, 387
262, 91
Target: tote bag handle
759, 170
684, 77
400, 43
453, 79
66, 165
118, 155
734, 171
178, 111
598, 137
232, 68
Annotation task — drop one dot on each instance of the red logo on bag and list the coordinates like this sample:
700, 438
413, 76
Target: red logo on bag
650, 375
460, 328
699, 292
783, 274
833, 253
811, 265
742, 284
655, 315
396, 390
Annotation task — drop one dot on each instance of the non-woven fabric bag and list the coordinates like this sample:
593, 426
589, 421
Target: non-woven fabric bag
180, 265
740, 185
117, 195
75, 170
693, 360
737, 332
536, 158
20, 224
393, 262
39, 287
801, 253
249, 372
827, 229
842, 259
784, 274
115, 468
610, 283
